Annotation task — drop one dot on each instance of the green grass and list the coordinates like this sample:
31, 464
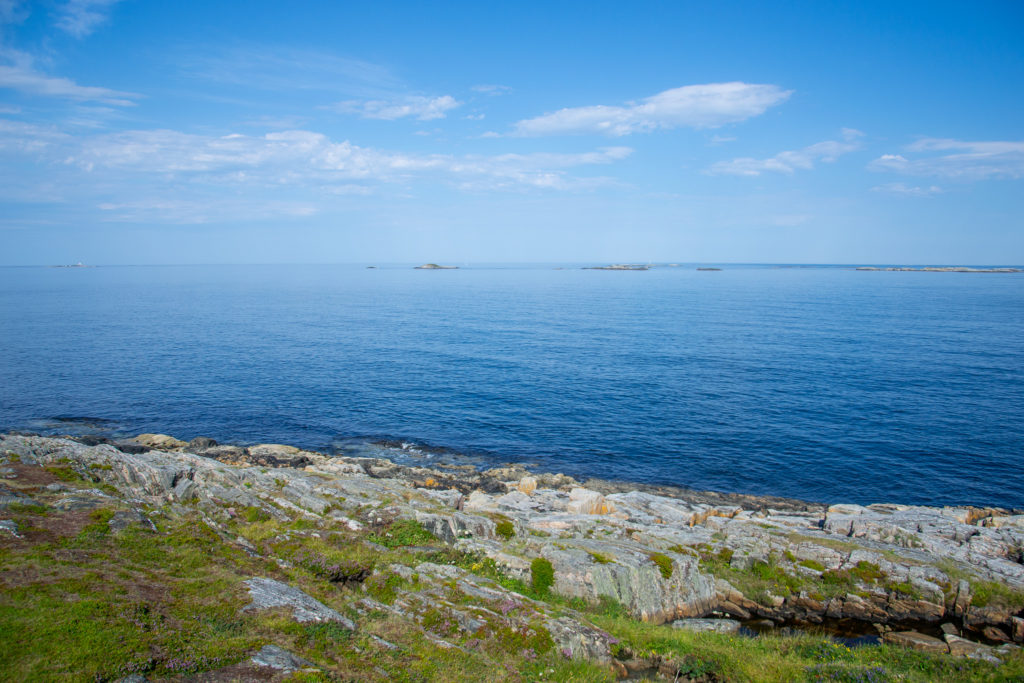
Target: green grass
542, 575
401, 533
600, 558
505, 529
664, 563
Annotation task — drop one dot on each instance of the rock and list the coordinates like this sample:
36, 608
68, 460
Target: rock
1018, 629
950, 629
275, 657
915, 641
9, 526
707, 625
527, 485
273, 449
160, 442
961, 647
201, 443
132, 678
268, 593
124, 519
586, 502
996, 634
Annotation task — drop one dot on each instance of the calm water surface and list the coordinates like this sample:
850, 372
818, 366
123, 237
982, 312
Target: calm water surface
817, 383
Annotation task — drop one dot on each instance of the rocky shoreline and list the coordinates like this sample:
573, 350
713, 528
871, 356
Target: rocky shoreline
944, 580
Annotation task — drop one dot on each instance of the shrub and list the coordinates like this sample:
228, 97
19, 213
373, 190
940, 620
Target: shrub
505, 529
664, 563
542, 575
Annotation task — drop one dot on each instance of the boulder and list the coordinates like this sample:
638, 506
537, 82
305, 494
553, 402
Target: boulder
707, 625
268, 593
915, 641
527, 485
160, 442
961, 647
201, 443
587, 502
274, 657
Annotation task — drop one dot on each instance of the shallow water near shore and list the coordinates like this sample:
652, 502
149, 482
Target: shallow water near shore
814, 383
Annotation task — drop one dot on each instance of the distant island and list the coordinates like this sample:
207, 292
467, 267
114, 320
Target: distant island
709, 269
73, 265
944, 269
618, 266
434, 266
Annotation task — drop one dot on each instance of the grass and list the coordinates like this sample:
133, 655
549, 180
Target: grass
542, 575
402, 533
664, 563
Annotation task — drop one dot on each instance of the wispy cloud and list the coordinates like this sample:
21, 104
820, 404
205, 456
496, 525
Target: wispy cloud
306, 159
282, 68
907, 190
968, 160
791, 161
491, 89
417, 106
22, 77
695, 106
81, 17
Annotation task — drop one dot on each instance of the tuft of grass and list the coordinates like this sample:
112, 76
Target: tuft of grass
505, 529
992, 594
401, 533
665, 565
600, 558
542, 575
253, 514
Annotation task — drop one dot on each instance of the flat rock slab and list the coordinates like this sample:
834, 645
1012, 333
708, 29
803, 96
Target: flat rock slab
916, 641
268, 593
278, 658
707, 625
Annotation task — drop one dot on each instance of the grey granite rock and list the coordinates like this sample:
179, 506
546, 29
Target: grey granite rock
275, 657
267, 593
707, 625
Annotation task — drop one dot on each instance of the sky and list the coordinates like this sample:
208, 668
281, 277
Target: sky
866, 132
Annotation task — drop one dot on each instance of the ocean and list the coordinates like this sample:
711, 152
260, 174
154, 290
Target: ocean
820, 383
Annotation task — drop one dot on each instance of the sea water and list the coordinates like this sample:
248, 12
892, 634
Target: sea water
821, 383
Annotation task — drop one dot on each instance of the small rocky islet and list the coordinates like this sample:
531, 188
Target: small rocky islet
161, 559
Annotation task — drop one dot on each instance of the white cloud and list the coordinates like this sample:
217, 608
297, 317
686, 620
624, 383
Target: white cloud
29, 137
969, 160
423, 108
24, 78
908, 191
307, 159
82, 17
695, 106
791, 161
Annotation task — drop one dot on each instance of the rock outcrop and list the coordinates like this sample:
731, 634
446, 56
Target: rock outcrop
664, 558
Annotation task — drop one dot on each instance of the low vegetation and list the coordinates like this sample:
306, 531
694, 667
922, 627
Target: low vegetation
82, 598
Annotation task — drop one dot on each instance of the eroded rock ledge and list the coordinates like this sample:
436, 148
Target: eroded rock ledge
663, 554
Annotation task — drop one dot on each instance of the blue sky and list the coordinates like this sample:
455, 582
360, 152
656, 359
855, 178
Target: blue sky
815, 132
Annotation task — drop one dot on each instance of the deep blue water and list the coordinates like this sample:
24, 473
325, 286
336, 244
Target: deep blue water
816, 383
